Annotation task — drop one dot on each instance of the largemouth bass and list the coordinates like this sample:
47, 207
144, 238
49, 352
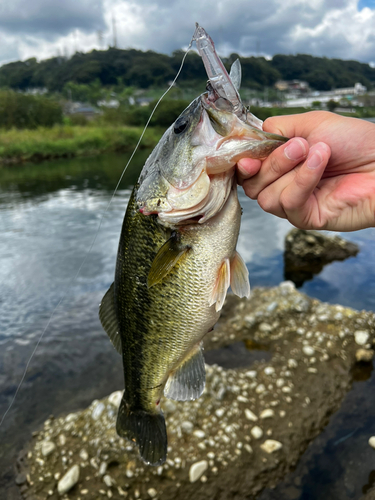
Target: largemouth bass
176, 259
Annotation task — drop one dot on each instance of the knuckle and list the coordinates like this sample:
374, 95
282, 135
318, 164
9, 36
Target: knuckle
250, 190
275, 166
265, 202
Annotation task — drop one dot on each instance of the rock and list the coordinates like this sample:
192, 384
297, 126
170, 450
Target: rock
197, 469
199, 434
20, 479
265, 327
250, 415
256, 432
187, 427
169, 406
269, 370
371, 442
292, 363
69, 480
108, 481
270, 445
62, 440
307, 252
361, 337
152, 492
48, 447
103, 468
115, 398
83, 455
97, 411
260, 388
268, 413
308, 350
364, 355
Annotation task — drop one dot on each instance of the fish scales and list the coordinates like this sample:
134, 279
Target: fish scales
150, 331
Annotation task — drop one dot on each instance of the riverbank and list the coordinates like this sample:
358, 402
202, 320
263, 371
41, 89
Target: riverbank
244, 434
65, 141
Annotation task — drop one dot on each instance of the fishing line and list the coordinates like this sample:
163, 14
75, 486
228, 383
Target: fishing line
95, 236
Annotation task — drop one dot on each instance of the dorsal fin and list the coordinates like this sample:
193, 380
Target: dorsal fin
188, 380
108, 318
236, 74
165, 260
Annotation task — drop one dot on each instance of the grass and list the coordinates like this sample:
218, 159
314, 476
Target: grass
69, 141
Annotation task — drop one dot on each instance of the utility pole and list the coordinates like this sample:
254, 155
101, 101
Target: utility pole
100, 38
114, 31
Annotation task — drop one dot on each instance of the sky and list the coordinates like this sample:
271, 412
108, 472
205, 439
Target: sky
343, 29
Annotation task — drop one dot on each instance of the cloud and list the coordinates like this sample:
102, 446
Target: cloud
49, 19
332, 28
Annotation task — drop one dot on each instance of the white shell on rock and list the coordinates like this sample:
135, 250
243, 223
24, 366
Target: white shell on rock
361, 337
197, 469
270, 445
371, 442
69, 480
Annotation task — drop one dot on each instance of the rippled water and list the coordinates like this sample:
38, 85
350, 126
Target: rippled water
49, 215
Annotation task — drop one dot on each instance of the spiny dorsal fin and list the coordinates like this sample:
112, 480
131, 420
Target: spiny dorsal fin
239, 276
108, 318
165, 260
188, 381
220, 289
236, 74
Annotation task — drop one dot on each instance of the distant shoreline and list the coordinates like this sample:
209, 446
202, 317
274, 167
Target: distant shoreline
64, 141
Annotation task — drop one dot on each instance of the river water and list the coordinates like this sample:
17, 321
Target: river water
49, 216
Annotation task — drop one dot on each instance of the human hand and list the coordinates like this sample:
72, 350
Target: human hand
323, 178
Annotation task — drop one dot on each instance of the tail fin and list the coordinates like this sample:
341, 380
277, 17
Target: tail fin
148, 430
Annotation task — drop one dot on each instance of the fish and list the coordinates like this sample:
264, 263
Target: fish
177, 254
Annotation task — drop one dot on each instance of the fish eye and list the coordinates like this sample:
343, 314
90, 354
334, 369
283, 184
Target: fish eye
180, 125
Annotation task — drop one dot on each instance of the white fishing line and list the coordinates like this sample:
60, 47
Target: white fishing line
96, 234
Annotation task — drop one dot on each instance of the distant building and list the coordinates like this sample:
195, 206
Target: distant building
111, 103
358, 89
78, 108
293, 86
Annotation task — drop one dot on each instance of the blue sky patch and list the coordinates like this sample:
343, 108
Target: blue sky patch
366, 3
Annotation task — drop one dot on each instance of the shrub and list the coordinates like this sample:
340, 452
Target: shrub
25, 111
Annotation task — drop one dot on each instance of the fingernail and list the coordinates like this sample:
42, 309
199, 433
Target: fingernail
295, 150
315, 160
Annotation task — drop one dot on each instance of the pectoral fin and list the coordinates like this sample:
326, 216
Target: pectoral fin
108, 318
166, 258
239, 276
221, 286
188, 381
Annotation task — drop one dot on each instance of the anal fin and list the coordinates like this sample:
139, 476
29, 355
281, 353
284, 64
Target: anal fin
239, 276
188, 380
108, 318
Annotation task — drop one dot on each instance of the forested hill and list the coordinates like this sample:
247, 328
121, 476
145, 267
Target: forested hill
150, 69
